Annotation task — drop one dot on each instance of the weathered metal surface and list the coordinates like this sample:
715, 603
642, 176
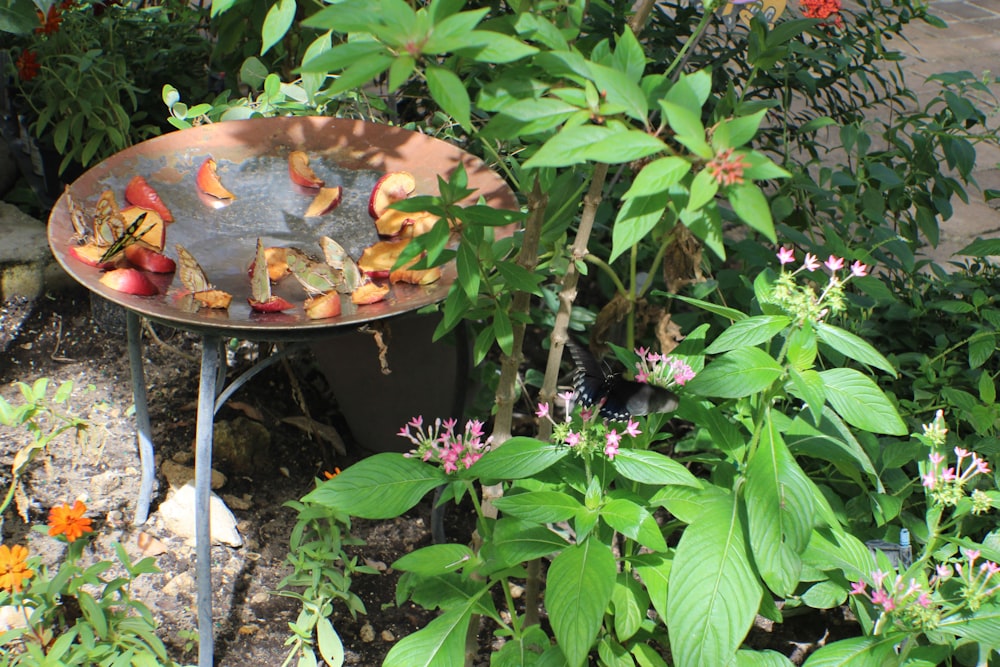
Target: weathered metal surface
252, 157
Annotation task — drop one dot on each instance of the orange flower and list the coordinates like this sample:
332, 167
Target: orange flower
27, 65
69, 521
822, 9
331, 475
50, 22
13, 570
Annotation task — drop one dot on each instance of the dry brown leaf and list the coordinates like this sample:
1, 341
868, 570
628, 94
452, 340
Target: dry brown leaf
324, 431
611, 314
668, 333
249, 410
682, 260
149, 545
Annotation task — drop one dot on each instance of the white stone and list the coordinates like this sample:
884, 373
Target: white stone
177, 513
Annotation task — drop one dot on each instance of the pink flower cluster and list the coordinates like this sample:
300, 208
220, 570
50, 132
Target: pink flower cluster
592, 434
937, 475
811, 262
893, 596
442, 443
661, 370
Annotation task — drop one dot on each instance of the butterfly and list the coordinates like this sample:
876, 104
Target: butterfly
618, 398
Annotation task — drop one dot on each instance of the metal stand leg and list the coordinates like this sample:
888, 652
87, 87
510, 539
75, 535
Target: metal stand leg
143, 428
210, 346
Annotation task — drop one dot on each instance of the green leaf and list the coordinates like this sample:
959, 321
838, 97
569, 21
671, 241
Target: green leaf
750, 204
982, 627
624, 146
714, 593
361, 72
981, 348
637, 217
767, 658
778, 498
658, 177
635, 522
519, 541
340, 57
539, 506
618, 89
654, 570
736, 374
579, 584
568, 147
503, 330
277, 22
517, 458
494, 47
721, 311
434, 559
648, 467
686, 124
738, 131
441, 642
704, 187
857, 652
18, 17
853, 347
981, 248
749, 333
330, 646
630, 602
808, 385
449, 92
629, 57
453, 32
378, 487
93, 613
860, 402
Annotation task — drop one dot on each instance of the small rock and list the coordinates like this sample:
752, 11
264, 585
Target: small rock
177, 512
182, 583
149, 545
178, 475
104, 484
259, 599
387, 636
367, 633
12, 616
237, 503
242, 444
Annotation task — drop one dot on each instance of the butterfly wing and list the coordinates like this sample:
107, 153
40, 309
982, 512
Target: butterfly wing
618, 398
191, 275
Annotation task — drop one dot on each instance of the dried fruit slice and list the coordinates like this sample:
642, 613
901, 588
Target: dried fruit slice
90, 254
369, 293
146, 259
390, 188
322, 306
277, 262
213, 298
129, 281
261, 299
416, 276
156, 235
325, 201
140, 193
392, 222
377, 260
300, 172
209, 182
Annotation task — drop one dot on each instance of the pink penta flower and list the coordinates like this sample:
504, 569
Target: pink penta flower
786, 255
859, 270
834, 263
811, 262
543, 410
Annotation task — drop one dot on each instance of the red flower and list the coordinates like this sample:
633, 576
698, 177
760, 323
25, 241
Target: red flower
27, 65
50, 22
822, 9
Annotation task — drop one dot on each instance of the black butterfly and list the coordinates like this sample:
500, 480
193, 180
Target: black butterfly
617, 397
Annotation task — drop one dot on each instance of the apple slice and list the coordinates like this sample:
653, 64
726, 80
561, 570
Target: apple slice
261, 300
209, 182
416, 276
393, 222
90, 254
156, 235
390, 188
323, 306
277, 263
213, 298
324, 202
146, 259
129, 281
300, 172
377, 260
140, 193
369, 293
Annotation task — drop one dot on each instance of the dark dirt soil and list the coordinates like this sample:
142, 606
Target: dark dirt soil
57, 338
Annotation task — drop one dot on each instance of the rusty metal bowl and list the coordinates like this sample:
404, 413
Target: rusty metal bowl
252, 157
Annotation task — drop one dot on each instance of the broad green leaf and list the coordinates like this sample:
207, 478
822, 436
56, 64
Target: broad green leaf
624, 146
539, 506
857, 652
688, 129
630, 602
982, 627
860, 402
658, 176
981, 248
691, 90
648, 467
311, 81
636, 219
825, 595
503, 330
579, 584
330, 646
654, 570
277, 22
808, 386
981, 348
531, 116
737, 131
449, 92
618, 89
93, 613
340, 56
400, 71
434, 559
853, 347
379, 487
778, 498
438, 644
802, 347
704, 187
453, 32
568, 147
635, 522
749, 333
221, 6
361, 72
714, 593
343, 17
494, 47
736, 374
18, 17
517, 458
751, 205
629, 57
762, 168
519, 541
767, 658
